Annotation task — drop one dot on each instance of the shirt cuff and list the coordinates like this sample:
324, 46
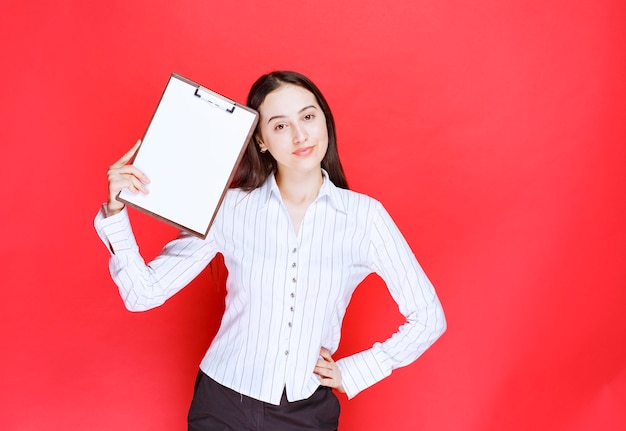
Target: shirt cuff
115, 231
362, 370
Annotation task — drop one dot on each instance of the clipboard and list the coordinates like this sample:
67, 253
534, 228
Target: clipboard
190, 151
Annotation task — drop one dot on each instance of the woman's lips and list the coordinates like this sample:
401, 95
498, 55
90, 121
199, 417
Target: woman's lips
304, 151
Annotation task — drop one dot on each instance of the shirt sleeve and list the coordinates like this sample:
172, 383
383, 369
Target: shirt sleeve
391, 257
144, 286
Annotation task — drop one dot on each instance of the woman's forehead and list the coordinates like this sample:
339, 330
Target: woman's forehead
288, 99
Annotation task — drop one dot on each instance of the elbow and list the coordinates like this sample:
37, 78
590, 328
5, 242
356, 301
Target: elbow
137, 300
441, 326
136, 305
435, 323
135, 308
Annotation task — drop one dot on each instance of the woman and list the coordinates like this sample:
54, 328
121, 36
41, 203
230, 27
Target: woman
296, 243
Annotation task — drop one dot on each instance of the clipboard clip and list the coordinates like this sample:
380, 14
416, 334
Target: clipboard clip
215, 101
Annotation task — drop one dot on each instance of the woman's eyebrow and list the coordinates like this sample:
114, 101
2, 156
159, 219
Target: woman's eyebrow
283, 116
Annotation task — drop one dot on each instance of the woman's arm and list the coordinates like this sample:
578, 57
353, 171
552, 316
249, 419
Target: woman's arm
392, 258
143, 286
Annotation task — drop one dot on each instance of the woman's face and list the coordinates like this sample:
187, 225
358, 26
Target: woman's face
293, 129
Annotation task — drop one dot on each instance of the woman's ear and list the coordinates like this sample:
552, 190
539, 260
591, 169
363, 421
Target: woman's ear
260, 143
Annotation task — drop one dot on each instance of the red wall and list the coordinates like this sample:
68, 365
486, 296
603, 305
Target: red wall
494, 133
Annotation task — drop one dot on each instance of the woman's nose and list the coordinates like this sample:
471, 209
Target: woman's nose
299, 134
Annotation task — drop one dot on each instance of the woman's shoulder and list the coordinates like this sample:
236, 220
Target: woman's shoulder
354, 200
235, 196
356, 195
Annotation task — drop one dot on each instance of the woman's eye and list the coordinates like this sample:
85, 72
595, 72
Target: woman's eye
308, 117
279, 126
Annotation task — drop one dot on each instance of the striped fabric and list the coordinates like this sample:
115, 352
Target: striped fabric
286, 294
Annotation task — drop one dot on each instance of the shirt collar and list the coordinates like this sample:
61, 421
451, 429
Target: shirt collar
328, 190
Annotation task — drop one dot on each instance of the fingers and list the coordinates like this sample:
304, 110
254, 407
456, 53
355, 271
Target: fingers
323, 367
128, 176
126, 157
121, 167
325, 362
121, 176
325, 353
136, 181
328, 371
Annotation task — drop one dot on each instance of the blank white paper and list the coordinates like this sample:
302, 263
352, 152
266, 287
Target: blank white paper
189, 152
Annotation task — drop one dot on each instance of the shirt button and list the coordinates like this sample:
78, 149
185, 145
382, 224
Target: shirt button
293, 295
286, 352
294, 250
293, 280
289, 324
291, 308
293, 265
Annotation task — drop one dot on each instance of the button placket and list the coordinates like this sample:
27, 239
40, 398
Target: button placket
292, 286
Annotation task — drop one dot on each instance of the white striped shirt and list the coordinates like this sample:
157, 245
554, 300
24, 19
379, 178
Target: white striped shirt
286, 294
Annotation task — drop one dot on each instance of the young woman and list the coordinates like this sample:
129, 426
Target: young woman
296, 243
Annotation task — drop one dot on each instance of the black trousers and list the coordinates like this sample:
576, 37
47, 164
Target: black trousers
217, 408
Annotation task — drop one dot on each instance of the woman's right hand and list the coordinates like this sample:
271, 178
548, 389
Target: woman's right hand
122, 175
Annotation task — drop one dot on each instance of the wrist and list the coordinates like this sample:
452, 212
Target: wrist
114, 208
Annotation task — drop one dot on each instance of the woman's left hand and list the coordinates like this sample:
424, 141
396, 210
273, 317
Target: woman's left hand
328, 371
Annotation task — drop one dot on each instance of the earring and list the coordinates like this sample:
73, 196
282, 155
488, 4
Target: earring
260, 144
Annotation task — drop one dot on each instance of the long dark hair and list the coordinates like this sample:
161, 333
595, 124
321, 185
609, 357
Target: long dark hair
255, 166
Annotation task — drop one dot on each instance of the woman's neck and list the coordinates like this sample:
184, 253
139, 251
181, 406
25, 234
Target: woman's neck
299, 188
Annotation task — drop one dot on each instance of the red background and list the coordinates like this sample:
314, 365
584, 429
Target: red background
493, 132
